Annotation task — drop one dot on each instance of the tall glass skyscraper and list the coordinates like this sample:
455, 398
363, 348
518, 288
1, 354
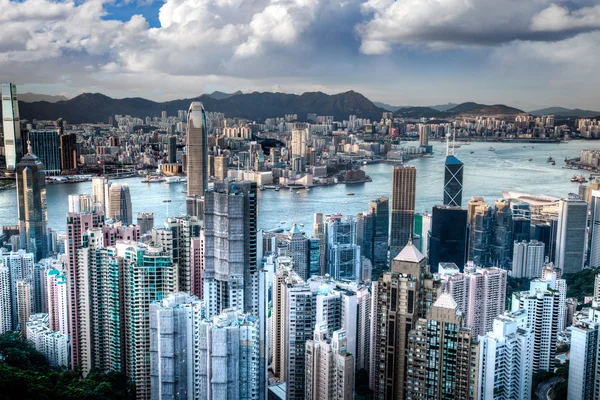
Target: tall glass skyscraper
46, 145
13, 145
449, 234
453, 181
197, 154
380, 208
404, 180
31, 196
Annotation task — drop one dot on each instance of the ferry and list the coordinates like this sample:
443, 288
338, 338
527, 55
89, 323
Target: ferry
166, 200
175, 179
578, 179
349, 194
491, 149
472, 152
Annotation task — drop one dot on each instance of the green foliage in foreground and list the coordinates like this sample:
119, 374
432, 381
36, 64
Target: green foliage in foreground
581, 284
25, 374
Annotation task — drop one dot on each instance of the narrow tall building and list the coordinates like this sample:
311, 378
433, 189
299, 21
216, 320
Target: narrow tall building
404, 181
24, 306
31, 198
45, 143
380, 209
119, 203
480, 240
453, 181
528, 259
584, 361
594, 233
5, 300
11, 126
571, 234
196, 152
230, 230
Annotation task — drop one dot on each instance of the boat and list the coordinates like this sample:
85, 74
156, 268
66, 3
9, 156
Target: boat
301, 224
491, 149
472, 152
277, 188
579, 179
349, 194
166, 200
553, 162
550, 159
364, 163
283, 222
175, 179
530, 159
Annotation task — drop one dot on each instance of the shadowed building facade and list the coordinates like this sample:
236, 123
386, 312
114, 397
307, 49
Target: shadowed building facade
404, 180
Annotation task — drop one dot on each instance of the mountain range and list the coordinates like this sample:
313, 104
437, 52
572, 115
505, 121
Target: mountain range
566, 112
439, 107
96, 107
31, 97
464, 109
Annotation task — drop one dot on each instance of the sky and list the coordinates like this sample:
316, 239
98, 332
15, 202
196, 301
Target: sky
525, 53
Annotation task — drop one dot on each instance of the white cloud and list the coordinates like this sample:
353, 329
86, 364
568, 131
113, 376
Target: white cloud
556, 18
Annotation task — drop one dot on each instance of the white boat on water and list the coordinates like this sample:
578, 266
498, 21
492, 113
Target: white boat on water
175, 179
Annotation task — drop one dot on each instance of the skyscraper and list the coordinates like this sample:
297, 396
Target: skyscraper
5, 299
402, 211
174, 350
45, 143
528, 259
453, 181
145, 221
481, 220
183, 229
119, 203
197, 152
11, 126
594, 234
172, 149
24, 306
68, 151
100, 194
584, 361
506, 359
299, 140
380, 209
230, 227
319, 234
297, 247
502, 243
31, 197
343, 257
449, 235
571, 234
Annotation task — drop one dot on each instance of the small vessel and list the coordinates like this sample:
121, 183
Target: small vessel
349, 194
550, 159
579, 179
301, 224
491, 149
553, 163
277, 188
283, 222
530, 159
166, 200
175, 179
472, 152
364, 163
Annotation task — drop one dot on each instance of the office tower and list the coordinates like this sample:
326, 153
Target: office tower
32, 213
100, 193
172, 149
424, 131
480, 294
421, 231
77, 225
299, 140
148, 275
5, 300
297, 248
197, 152
183, 230
329, 366
584, 361
45, 143
502, 244
528, 259
506, 359
11, 126
68, 151
402, 211
119, 203
440, 362
319, 234
145, 221
81, 203
365, 231
570, 240
541, 304
343, 256
449, 236
542, 232
380, 209
594, 234
453, 181
221, 163
472, 205
228, 362
482, 220
400, 302
53, 345
521, 221
314, 256
230, 228
21, 266
174, 347
24, 306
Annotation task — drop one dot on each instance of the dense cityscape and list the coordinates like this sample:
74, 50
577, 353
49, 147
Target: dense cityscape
474, 299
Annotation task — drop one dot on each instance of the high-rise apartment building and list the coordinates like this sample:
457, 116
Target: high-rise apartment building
502, 243
448, 238
453, 181
228, 362
53, 345
148, 275
594, 234
24, 305
541, 304
100, 194
81, 203
402, 209
584, 361
506, 359
196, 152
299, 134
119, 203
11, 126
442, 362
230, 235
58, 301
571, 234
528, 259
297, 247
319, 234
401, 300
329, 366
145, 220
183, 229
31, 197
21, 266
175, 348
45, 143
5, 299
221, 163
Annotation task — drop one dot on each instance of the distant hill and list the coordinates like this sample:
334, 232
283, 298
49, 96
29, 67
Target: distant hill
419, 112
96, 107
31, 97
221, 96
465, 107
566, 112
439, 107
387, 107
444, 107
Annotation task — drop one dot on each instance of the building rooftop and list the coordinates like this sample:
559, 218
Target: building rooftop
410, 254
445, 301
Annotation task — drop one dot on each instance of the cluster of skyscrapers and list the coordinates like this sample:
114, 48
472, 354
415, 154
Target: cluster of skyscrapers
211, 307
